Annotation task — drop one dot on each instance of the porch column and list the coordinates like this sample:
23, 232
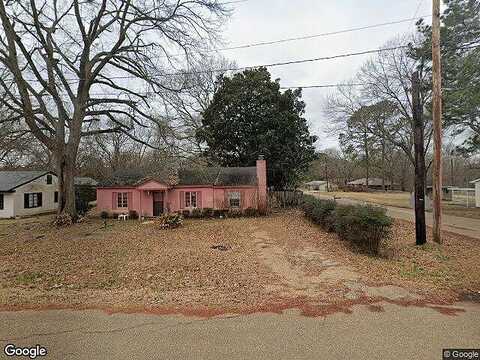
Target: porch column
141, 209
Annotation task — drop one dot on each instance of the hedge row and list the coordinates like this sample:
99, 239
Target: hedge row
363, 225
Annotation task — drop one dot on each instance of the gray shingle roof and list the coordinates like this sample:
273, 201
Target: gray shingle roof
9, 180
85, 181
371, 182
219, 176
316, 182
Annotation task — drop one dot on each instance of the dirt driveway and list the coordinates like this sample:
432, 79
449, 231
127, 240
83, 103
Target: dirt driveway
211, 267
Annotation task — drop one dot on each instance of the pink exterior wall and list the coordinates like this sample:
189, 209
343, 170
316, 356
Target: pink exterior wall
262, 185
140, 198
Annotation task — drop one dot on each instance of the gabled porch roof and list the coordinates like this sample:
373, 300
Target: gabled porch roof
153, 185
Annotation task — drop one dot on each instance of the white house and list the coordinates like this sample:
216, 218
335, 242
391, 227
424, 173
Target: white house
24, 193
317, 185
477, 192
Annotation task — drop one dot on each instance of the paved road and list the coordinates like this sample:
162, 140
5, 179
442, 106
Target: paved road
459, 225
397, 333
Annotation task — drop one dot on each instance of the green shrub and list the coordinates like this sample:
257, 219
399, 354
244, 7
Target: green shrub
104, 215
169, 221
217, 213
308, 205
250, 212
235, 213
208, 212
364, 225
132, 214
196, 213
322, 214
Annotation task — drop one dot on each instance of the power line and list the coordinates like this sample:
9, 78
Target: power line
420, 3
320, 86
283, 63
306, 37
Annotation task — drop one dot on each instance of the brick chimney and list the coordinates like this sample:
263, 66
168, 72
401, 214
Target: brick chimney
262, 184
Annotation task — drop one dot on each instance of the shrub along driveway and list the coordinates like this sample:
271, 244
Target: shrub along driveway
210, 267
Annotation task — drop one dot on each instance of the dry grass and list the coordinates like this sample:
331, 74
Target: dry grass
133, 264
402, 199
398, 199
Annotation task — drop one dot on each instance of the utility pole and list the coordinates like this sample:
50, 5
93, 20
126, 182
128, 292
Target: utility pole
437, 124
326, 171
420, 227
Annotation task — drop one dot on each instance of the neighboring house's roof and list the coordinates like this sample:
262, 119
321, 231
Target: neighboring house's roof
219, 176
316, 183
10, 180
85, 181
371, 182
475, 181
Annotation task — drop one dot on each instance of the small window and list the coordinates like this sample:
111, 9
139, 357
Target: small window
122, 200
190, 199
2, 204
32, 200
55, 197
49, 179
234, 199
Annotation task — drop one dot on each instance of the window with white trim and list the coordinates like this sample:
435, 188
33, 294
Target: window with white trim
122, 200
234, 199
191, 199
32, 200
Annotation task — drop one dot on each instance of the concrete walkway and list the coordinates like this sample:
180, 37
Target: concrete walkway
455, 224
397, 333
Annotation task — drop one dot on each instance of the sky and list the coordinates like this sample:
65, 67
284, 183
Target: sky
266, 20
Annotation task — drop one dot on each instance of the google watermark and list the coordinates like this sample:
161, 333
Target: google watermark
32, 352
454, 354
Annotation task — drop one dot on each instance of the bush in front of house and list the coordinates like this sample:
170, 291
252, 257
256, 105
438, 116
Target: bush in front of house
132, 214
363, 225
104, 215
196, 213
235, 213
251, 212
169, 221
207, 213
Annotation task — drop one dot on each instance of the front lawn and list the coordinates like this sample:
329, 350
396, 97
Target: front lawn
221, 264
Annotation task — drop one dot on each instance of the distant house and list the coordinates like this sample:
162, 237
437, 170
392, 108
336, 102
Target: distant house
477, 191
373, 183
150, 195
26, 193
317, 185
446, 192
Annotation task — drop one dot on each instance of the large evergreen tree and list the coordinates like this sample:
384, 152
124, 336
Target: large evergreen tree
249, 116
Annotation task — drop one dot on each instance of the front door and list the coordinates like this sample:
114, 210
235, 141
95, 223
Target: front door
157, 203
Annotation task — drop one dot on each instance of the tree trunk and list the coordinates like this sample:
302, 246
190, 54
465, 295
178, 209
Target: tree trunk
66, 186
383, 166
420, 227
367, 160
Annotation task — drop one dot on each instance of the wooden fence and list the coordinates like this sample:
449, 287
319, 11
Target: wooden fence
284, 199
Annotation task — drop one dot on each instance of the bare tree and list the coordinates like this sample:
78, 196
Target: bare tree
80, 68
384, 98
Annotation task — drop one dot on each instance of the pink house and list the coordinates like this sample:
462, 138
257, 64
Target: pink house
220, 188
